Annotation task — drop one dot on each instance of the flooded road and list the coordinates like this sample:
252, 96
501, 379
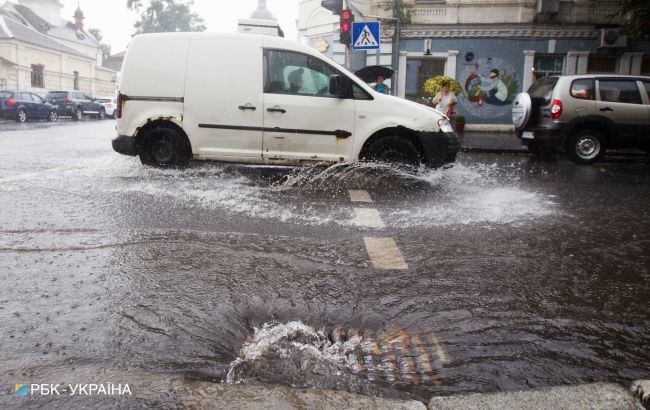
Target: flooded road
517, 273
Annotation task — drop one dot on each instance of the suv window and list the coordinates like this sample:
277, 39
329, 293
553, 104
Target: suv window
5, 94
542, 90
620, 91
583, 89
37, 98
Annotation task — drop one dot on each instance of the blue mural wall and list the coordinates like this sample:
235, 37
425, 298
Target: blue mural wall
490, 71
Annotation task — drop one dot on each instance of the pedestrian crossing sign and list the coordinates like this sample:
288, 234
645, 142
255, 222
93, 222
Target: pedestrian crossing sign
365, 35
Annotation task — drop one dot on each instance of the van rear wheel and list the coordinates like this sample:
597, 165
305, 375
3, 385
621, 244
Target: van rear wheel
164, 148
394, 150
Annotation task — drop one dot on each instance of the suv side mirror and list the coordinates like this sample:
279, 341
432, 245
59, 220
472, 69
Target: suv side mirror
338, 86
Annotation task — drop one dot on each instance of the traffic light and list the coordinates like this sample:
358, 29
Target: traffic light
335, 6
346, 26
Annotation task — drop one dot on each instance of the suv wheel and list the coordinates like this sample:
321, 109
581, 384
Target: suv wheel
394, 150
53, 117
22, 115
78, 114
102, 114
164, 148
585, 147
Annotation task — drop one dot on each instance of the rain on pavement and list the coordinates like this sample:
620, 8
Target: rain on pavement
518, 273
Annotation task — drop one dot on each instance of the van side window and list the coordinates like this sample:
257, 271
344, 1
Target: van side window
298, 74
621, 91
646, 85
583, 89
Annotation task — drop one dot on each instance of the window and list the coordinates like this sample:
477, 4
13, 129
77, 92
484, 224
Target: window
419, 70
599, 64
619, 91
37, 75
37, 99
542, 90
295, 73
646, 85
76, 80
548, 65
3, 83
583, 89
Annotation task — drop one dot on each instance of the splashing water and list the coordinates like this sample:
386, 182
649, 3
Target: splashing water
298, 355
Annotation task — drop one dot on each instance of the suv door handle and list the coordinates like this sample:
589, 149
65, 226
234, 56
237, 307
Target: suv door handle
247, 107
607, 109
280, 110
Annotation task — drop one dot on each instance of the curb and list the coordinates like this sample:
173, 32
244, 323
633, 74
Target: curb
595, 396
641, 390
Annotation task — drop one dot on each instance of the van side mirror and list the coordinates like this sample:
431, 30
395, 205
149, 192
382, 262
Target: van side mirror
338, 86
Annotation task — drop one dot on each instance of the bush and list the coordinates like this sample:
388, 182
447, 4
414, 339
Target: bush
433, 85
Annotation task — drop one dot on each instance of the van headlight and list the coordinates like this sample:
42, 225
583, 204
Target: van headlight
445, 125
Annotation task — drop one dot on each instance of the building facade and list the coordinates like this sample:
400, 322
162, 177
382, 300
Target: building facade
39, 51
518, 40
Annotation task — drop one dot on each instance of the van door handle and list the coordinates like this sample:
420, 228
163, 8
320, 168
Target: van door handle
247, 107
607, 109
280, 110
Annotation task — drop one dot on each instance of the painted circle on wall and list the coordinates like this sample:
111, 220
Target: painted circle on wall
489, 87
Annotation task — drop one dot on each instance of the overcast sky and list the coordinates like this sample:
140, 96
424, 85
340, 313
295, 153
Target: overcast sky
116, 21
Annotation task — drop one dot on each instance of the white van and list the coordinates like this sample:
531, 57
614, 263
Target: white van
263, 100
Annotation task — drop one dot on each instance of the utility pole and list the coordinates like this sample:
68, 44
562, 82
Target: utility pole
395, 57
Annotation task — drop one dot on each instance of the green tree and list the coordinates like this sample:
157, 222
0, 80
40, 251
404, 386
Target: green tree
637, 16
164, 16
106, 49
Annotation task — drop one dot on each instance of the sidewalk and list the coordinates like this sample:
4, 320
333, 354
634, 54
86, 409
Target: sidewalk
482, 141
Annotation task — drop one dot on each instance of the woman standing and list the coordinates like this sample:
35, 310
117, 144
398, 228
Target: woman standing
444, 99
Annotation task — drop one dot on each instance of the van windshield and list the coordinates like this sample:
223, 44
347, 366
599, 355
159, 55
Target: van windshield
542, 90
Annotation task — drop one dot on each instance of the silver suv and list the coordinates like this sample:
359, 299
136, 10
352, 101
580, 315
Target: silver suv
584, 115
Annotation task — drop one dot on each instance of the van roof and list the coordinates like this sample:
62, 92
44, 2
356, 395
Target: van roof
267, 41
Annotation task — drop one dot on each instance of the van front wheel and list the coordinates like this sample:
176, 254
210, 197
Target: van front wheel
163, 148
394, 150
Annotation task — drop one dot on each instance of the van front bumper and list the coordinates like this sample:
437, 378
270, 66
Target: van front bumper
440, 148
125, 145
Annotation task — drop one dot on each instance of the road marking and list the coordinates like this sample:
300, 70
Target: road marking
369, 218
359, 196
384, 253
19, 177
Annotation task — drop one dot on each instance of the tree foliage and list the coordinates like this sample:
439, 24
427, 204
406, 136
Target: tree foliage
637, 14
163, 16
106, 49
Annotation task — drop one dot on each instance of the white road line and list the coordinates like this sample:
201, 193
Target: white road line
359, 196
384, 253
29, 175
368, 217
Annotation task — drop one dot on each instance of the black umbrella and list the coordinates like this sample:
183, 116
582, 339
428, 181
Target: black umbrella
369, 74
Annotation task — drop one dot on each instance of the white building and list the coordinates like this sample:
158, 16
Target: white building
40, 51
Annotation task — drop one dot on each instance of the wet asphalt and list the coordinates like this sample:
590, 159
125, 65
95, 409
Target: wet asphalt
521, 273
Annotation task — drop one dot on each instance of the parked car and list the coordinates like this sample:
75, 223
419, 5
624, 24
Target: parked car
109, 105
75, 104
584, 115
283, 103
23, 106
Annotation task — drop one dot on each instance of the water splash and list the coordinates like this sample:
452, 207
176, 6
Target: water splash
301, 356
